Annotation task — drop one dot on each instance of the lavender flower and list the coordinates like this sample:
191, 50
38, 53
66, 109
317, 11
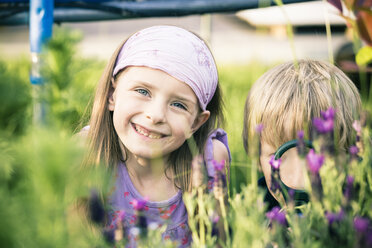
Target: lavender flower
276, 215
354, 150
275, 164
369, 238
349, 188
219, 183
259, 128
361, 224
326, 123
218, 166
139, 204
215, 220
274, 184
329, 114
314, 161
301, 135
335, 217
300, 143
323, 126
350, 180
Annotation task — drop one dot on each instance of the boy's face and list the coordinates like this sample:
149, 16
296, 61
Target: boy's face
292, 168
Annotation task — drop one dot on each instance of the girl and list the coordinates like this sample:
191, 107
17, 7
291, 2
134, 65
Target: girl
159, 91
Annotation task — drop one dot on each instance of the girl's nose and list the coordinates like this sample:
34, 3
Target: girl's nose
155, 113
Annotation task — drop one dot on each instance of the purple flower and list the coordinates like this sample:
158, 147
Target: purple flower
323, 126
369, 238
300, 143
276, 215
335, 217
353, 150
274, 184
361, 224
301, 135
139, 204
350, 180
329, 114
215, 219
219, 166
349, 188
259, 128
275, 164
314, 161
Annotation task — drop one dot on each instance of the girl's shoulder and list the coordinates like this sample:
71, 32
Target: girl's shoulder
216, 149
220, 151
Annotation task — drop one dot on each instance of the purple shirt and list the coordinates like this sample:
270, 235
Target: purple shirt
171, 212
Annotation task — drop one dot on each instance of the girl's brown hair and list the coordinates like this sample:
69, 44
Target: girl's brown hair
105, 147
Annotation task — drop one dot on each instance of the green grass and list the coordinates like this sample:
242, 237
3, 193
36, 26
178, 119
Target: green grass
236, 82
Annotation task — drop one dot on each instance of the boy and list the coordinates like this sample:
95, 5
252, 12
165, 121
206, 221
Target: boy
285, 100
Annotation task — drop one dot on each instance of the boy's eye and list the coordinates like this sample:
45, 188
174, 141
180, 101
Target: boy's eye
143, 92
179, 105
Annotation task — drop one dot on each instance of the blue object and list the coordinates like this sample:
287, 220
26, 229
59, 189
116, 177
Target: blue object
41, 23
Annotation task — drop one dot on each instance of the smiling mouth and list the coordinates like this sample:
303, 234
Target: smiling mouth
143, 131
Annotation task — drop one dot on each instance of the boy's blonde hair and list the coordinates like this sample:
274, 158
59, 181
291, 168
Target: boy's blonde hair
286, 99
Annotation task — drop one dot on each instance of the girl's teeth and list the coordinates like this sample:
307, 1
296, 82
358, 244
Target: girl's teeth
147, 134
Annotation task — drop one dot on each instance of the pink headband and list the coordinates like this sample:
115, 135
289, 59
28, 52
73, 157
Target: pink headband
175, 51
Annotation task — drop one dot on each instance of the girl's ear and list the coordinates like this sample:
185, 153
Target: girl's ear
200, 120
111, 95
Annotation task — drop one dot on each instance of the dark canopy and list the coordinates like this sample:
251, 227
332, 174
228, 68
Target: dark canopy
16, 12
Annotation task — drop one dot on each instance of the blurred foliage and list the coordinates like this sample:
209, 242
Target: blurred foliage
235, 83
69, 79
40, 180
15, 96
40, 174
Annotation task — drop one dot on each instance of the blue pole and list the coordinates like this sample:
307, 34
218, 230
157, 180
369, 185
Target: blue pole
41, 23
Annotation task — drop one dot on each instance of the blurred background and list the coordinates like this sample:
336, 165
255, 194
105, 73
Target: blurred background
235, 38
245, 44
40, 176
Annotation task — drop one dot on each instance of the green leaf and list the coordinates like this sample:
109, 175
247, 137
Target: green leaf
364, 56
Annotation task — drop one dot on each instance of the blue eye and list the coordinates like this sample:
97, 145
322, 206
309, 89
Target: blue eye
179, 105
143, 92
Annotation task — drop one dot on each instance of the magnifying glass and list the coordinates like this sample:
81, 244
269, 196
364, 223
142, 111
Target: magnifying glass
299, 197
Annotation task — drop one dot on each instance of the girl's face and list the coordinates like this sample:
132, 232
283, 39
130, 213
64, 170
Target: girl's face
153, 112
